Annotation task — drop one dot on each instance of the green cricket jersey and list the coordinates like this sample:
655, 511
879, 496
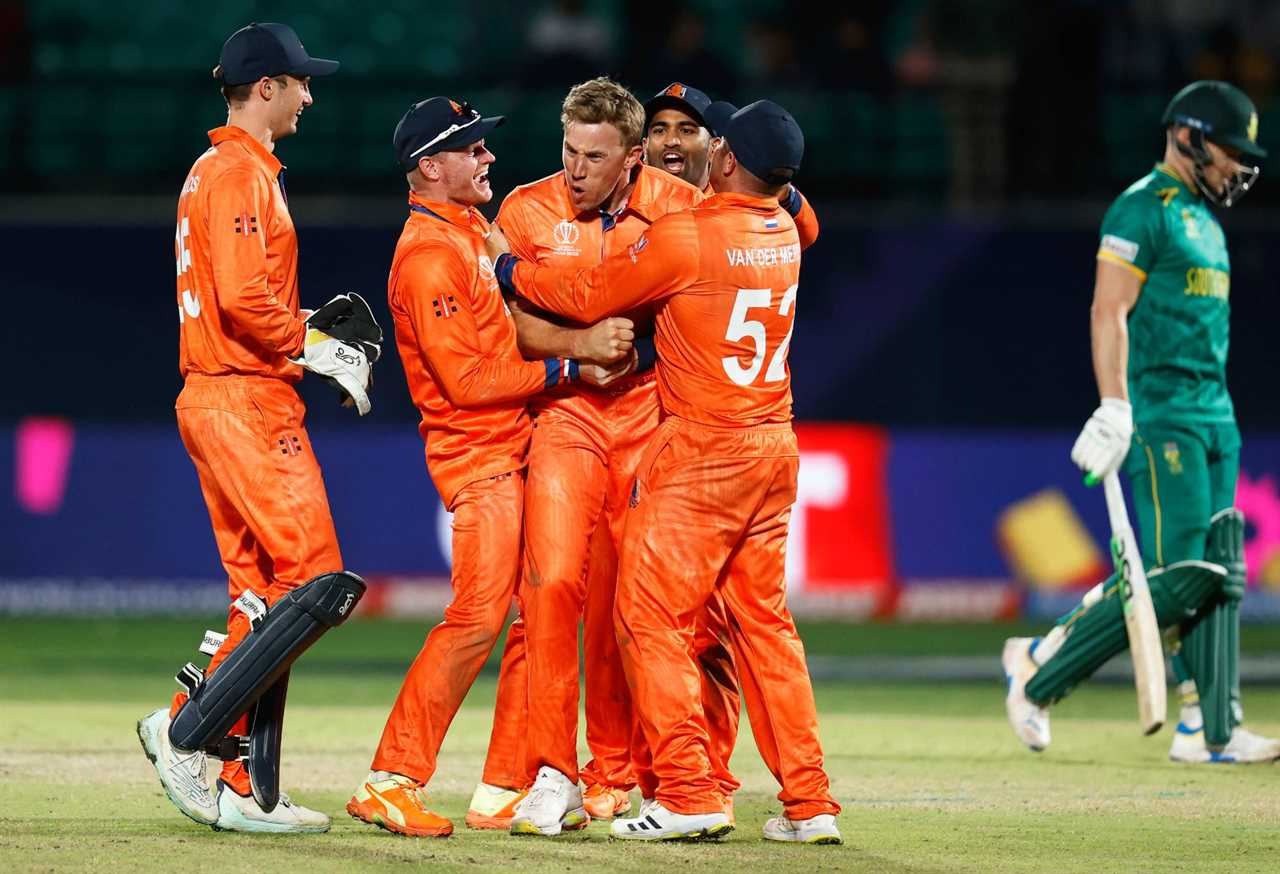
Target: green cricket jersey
1179, 329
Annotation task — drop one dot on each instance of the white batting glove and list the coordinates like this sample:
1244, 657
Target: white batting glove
1104, 441
343, 364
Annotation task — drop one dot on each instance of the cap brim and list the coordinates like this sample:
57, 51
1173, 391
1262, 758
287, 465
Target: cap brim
666, 101
470, 134
316, 67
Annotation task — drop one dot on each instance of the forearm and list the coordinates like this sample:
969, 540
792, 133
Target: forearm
1109, 333
540, 338
558, 290
258, 313
486, 382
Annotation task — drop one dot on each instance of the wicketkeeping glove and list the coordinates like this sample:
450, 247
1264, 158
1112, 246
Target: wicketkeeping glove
348, 317
343, 364
1104, 441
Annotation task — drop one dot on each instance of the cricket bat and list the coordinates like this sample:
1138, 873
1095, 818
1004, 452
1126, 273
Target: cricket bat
1139, 614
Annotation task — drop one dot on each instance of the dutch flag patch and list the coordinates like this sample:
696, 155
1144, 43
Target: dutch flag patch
770, 224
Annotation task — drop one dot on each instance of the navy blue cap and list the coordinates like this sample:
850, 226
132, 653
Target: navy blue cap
767, 141
268, 49
437, 125
690, 101
717, 117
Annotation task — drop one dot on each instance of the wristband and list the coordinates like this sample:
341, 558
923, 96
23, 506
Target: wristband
504, 270
560, 370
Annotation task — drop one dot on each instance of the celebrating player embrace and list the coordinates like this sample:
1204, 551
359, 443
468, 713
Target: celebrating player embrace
711, 500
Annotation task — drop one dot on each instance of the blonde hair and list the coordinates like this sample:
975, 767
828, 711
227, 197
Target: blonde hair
604, 101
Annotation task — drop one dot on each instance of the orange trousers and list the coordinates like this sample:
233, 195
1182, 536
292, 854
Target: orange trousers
486, 569
581, 462
709, 515
266, 499
504, 763
721, 703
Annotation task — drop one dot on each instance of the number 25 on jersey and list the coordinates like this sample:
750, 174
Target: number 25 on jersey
741, 327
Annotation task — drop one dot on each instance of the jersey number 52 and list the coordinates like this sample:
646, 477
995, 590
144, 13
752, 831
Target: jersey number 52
741, 327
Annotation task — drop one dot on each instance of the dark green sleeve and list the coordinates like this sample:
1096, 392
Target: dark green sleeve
1133, 231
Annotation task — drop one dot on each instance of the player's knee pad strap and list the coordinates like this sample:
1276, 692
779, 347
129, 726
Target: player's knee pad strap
291, 625
1182, 589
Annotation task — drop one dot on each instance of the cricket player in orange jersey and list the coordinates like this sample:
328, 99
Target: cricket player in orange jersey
470, 383
679, 132
240, 419
711, 501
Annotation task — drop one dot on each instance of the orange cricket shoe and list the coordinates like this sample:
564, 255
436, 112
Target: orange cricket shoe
605, 802
493, 807
398, 805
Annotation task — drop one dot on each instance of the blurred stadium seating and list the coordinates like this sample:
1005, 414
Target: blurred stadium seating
124, 88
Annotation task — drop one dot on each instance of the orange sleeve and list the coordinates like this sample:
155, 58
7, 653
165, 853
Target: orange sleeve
663, 261
805, 218
468, 375
513, 218
239, 263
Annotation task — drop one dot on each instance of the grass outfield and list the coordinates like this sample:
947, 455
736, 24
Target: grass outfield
930, 777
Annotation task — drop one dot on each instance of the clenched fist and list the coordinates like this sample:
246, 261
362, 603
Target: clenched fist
605, 342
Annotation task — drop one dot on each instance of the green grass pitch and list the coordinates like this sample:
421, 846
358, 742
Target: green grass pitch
929, 774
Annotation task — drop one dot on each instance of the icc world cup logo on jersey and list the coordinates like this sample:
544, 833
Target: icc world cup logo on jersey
565, 235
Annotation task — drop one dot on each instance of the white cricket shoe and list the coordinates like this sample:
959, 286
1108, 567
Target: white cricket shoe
1244, 748
1029, 721
182, 774
820, 829
239, 814
553, 805
656, 823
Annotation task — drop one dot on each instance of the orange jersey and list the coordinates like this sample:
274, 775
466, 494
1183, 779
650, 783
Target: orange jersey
801, 213
542, 225
725, 276
237, 259
457, 342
